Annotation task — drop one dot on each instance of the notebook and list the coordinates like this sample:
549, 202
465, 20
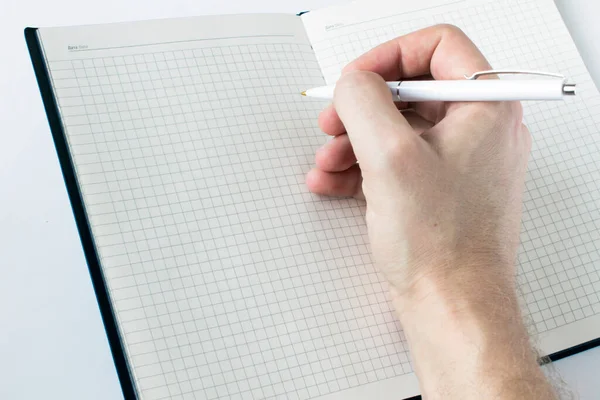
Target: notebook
184, 144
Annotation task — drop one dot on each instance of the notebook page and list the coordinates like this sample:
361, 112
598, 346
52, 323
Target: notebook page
559, 258
228, 278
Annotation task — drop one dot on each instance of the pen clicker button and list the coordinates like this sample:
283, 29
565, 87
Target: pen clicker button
569, 89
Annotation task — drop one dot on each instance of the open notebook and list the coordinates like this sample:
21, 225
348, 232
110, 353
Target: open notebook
184, 144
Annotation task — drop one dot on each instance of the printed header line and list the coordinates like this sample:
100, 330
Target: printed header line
179, 41
395, 15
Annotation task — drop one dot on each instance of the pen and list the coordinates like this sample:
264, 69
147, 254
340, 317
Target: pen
468, 90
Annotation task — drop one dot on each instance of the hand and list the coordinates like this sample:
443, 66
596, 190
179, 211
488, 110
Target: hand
444, 191
443, 187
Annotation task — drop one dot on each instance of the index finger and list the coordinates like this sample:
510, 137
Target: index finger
442, 51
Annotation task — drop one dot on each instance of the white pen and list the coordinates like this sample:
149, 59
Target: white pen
470, 89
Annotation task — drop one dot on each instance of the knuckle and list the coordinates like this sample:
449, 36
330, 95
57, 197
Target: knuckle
502, 113
526, 134
450, 30
515, 112
399, 150
356, 78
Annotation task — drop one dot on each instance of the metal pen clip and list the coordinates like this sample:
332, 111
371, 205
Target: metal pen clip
568, 88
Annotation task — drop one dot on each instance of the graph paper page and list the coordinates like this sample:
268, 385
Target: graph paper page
559, 258
229, 279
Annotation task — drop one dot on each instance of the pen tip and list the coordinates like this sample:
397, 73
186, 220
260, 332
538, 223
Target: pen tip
303, 93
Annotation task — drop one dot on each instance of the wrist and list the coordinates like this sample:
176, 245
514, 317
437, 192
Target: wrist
467, 320
480, 301
468, 286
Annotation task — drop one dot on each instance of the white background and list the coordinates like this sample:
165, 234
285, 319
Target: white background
52, 342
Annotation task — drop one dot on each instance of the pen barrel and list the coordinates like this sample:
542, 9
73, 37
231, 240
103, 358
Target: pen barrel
477, 90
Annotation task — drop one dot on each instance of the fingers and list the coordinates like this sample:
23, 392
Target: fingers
432, 111
337, 173
374, 125
336, 155
421, 118
443, 51
417, 122
346, 183
330, 123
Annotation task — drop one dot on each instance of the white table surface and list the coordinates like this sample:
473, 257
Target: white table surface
52, 342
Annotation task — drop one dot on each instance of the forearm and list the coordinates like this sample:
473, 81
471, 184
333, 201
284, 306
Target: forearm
468, 339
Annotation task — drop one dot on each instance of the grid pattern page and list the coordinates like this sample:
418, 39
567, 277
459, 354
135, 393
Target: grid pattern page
228, 278
559, 259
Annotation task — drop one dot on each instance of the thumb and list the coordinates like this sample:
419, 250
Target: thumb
377, 131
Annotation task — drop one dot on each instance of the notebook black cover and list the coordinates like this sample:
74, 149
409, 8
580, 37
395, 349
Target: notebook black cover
85, 233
